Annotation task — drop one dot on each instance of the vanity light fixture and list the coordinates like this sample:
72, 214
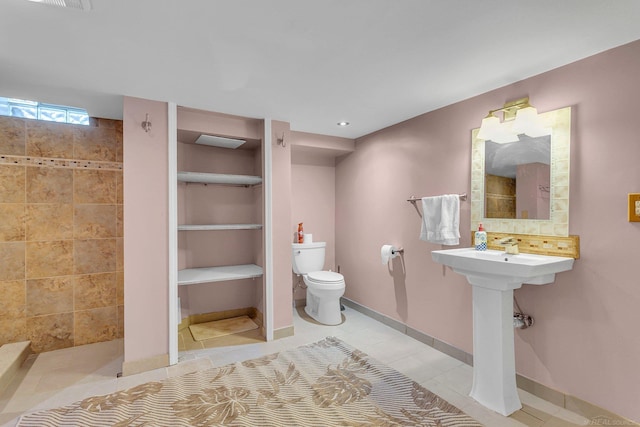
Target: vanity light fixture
518, 117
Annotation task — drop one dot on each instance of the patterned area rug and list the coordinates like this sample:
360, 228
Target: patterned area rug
327, 383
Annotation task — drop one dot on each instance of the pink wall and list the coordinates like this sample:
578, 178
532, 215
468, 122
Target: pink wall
313, 190
531, 178
313, 194
214, 204
146, 249
281, 189
585, 340
146, 191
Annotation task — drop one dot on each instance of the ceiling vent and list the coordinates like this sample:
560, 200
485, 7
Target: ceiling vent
73, 4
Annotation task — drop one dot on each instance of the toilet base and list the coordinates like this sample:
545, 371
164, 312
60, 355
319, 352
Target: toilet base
324, 310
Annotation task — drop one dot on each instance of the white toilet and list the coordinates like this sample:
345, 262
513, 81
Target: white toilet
324, 288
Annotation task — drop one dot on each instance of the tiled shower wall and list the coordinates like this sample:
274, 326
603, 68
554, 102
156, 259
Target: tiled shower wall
61, 246
501, 196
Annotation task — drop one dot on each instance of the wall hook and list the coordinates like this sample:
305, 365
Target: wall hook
281, 141
146, 125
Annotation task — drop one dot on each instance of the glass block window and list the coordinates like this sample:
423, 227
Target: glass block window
39, 111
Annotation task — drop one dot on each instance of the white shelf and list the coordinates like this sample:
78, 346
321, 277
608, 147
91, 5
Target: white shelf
195, 227
192, 276
218, 178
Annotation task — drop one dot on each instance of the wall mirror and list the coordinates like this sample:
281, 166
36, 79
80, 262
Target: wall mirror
522, 187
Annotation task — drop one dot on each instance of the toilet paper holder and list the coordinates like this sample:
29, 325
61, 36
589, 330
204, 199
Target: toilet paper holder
388, 252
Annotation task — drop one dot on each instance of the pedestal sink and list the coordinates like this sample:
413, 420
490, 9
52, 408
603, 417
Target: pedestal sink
494, 275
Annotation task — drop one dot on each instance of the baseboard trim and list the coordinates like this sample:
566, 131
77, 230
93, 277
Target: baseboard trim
142, 365
558, 398
283, 332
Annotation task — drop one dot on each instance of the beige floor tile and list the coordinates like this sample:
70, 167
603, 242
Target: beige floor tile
535, 412
129, 381
458, 379
63, 376
189, 366
415, 369
487, 417
526, 419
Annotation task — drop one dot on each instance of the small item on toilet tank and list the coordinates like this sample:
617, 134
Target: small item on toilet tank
300, 233
307, 238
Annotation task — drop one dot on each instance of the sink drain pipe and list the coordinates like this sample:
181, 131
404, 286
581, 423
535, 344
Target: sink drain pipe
521, 320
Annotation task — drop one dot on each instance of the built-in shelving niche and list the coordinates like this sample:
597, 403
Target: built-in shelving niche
219, 214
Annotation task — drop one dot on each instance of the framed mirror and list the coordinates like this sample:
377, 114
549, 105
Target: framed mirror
523, 187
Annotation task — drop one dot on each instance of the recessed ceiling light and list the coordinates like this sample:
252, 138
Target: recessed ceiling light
73, 4
343, 123
218, 141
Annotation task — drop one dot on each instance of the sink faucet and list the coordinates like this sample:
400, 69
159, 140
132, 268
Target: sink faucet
510, 245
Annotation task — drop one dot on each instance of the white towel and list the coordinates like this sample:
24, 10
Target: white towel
441, 219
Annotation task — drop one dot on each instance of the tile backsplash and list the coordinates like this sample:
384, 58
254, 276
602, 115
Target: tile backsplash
61, 233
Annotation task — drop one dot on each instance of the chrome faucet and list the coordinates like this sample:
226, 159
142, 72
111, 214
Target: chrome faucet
510, 245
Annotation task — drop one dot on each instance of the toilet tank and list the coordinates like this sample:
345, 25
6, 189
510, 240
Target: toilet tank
307, 257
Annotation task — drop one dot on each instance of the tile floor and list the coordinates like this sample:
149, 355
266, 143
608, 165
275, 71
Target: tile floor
61, 377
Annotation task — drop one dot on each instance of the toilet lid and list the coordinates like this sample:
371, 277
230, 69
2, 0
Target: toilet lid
325, 276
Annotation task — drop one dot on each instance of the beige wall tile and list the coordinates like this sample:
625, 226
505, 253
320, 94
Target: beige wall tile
120, 287
119, 221
119, 188
12, 183
49, 296
13, 330
121, 321
119, 254
13, 299
94, 291
12, 136
12, 261
96, 325
94, 221
119, 145
107, 123
49, 185
49, 221
49, 139
94, 186
94, 143
94, 256
51, 332
12, 223
49, 259
38, 204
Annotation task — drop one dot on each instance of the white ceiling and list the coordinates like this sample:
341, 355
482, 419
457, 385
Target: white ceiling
309, 62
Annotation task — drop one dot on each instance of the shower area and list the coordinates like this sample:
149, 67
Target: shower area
61, 233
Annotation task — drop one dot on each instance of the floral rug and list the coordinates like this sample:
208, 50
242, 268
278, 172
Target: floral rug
328, 383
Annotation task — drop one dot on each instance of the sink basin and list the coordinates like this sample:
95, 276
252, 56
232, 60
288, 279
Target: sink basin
497, 270
493, 276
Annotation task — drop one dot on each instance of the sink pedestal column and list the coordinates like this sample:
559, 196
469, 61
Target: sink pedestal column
493, 276
494, 366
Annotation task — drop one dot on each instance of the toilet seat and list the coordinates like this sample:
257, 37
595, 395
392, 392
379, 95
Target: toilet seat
325, 280
328, 277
